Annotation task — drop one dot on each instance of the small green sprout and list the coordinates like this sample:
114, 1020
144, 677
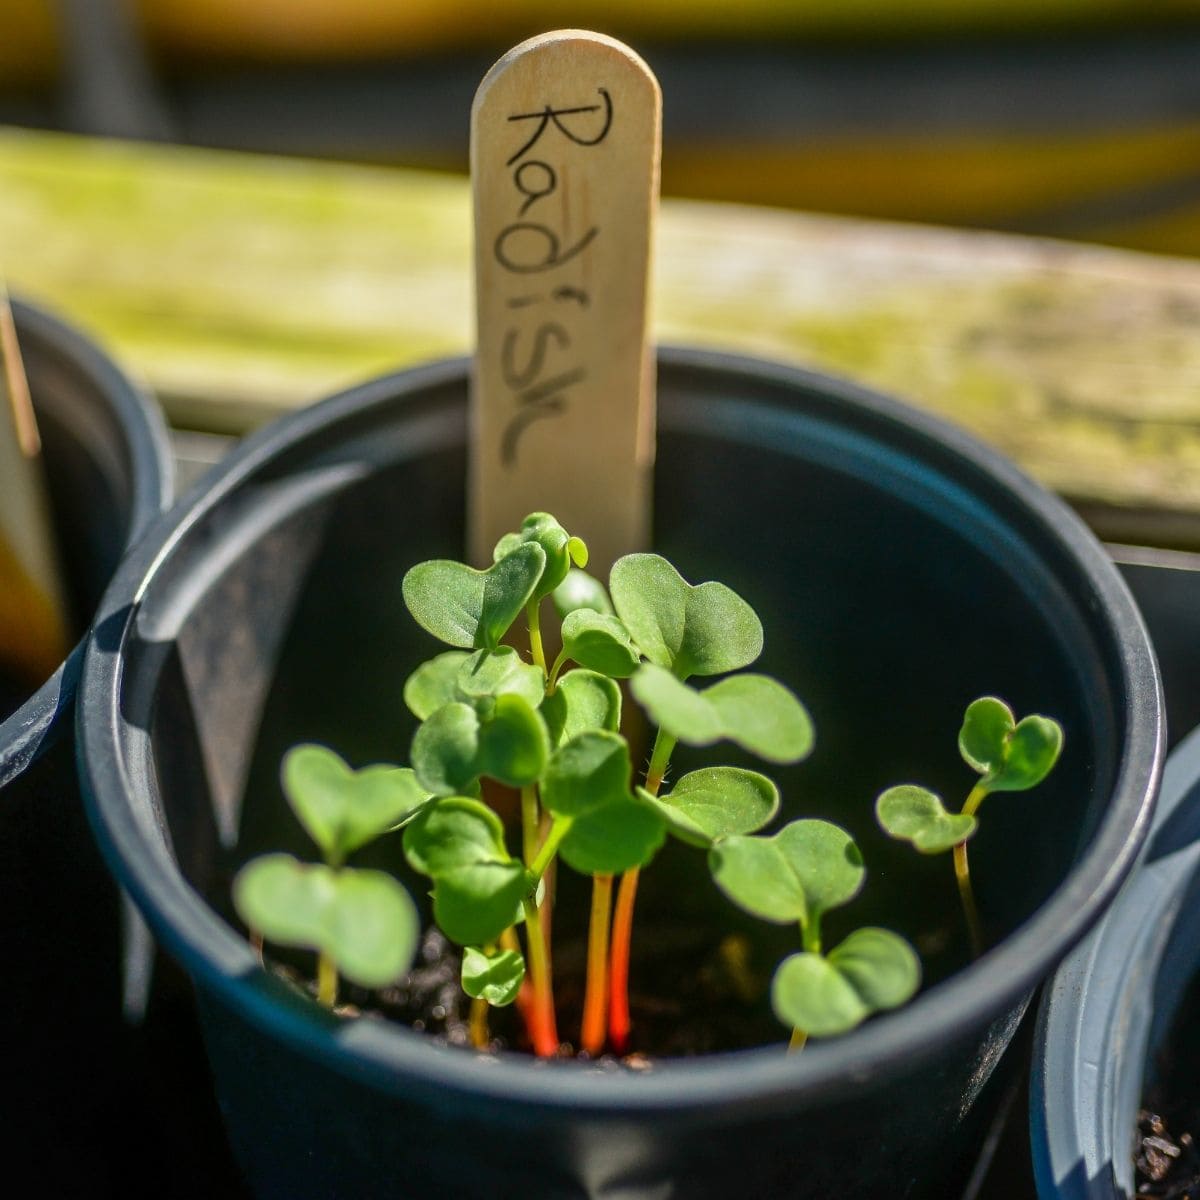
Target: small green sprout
1010, 755
361, 923
798, 875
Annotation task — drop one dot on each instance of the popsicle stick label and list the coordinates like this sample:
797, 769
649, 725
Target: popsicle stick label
565, 149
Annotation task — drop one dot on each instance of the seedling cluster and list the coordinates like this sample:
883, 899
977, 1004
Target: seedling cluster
550, 731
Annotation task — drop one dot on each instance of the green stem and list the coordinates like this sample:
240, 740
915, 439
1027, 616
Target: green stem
552, 680
558, 831
535, 635
529, 822
799, 1037
810, 932
660, 758
962, 874
480, 1037
327, 980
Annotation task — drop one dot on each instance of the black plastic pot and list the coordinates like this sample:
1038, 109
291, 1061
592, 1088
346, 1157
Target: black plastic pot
108, 469
1112, 1003
900, 570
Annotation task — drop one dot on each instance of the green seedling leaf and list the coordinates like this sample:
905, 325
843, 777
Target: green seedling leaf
717, 802
364, 920
754, 711
471, 679
495, 978
706, 629
560, 549
454, 833
468, 608
285, 900
804, 870
457, 745
1011, 756
500, 672
599, 642
477, 885
582, 700
431, 685
374, 928
591, 769
871, 970
915, 814
613, 837
580, 590
587, 782
343, 809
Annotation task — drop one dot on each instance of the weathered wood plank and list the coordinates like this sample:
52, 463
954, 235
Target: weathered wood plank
241, 286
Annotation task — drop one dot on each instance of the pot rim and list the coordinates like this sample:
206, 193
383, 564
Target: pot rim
222, 963
26, 733
1097, 1022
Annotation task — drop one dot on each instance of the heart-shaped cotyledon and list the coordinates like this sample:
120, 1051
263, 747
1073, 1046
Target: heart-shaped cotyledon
917, 815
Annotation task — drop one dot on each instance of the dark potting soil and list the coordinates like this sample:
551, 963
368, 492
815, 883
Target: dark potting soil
713, 1006
691, 992
1166, 1156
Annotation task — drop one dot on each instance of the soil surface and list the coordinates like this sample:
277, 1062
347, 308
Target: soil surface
1166, 1156
690, 993
716, 1006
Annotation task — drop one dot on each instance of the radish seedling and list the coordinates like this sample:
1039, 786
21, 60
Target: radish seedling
1010, 755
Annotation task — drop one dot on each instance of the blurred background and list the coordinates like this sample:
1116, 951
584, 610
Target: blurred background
1073, 118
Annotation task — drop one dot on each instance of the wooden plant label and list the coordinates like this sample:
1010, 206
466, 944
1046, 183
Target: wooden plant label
33, 628
565, 149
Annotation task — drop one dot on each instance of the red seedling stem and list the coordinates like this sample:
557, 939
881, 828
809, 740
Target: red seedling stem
622, 935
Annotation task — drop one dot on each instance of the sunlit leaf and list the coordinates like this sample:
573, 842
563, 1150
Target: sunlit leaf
591, 769
871, 970
468, 608
456, 745
559, 548
706, 629
1011, 756
917, 815
802, 871
432, 684
343, 809
478, 885
363, 920
495, 978
599, 642
613, 837
499, 672
753, 711
717, 802
582, 700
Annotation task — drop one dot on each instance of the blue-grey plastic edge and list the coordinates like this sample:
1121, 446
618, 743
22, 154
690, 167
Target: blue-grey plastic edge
1109, 1002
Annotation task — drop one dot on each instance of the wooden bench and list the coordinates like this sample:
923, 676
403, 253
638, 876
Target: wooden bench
240, 286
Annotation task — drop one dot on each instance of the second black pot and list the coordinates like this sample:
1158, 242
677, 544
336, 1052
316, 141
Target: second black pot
900, 570
62, 1040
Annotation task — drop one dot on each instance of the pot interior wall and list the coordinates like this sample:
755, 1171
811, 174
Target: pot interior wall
88, 472
887, 606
